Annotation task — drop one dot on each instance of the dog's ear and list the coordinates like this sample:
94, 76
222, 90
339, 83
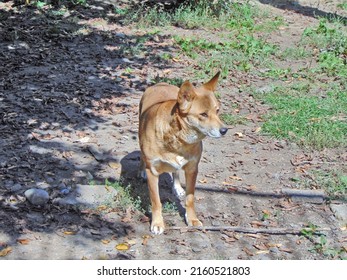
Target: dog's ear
185, 97
212, 84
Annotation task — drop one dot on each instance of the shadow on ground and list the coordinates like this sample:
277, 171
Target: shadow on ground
60, 72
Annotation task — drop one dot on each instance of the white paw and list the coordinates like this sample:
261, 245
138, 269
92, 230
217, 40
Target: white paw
157, 230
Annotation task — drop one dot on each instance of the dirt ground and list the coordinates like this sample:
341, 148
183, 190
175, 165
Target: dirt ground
69, 117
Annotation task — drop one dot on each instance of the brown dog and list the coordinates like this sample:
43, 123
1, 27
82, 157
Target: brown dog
173, 122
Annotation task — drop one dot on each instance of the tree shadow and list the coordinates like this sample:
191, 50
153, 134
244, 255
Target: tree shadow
304, 10
129, 176
62, 74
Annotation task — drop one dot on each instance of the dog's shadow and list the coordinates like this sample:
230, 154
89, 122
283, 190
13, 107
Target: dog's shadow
130, 165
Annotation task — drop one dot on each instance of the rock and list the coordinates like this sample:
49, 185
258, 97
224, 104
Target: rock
16, 188
37, 196
340, 212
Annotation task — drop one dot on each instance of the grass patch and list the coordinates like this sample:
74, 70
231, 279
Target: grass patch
230, 119
125, 199
245, 52
333, 182
309, 120
207, 14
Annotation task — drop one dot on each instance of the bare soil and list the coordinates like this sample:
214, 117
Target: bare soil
69, 116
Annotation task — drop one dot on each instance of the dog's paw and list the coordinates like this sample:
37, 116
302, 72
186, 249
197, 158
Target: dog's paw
193, 222
157, 228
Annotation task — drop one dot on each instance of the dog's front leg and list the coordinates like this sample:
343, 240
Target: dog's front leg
191, 175
157, 225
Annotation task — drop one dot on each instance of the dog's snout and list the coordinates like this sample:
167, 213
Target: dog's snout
223, 130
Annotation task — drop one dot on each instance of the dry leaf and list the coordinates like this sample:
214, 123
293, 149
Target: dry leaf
105, 241
102, 208
203, 181
239, 134
344, 228
262, 252
236, 178
274, 245
5, 251
131, 242
114, 165
145, 239
123, 247
248, 252
70, 232
286, 250
23, 241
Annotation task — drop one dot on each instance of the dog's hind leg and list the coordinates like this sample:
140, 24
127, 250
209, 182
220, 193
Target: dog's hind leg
177, 189
142, 170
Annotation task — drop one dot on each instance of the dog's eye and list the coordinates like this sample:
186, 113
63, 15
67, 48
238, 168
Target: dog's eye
205, 115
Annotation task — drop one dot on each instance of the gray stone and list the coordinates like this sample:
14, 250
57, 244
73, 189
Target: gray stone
340, 212
16, 188
37, 196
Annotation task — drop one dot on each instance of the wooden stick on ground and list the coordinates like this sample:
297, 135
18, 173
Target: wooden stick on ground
275, 231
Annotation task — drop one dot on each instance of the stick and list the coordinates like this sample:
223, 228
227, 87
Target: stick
275, 231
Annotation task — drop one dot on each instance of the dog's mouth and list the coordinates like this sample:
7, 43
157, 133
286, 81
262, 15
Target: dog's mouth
217, 133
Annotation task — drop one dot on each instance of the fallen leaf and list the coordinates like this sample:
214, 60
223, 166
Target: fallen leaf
236, 178
248, 252
5, 251
257, 224
274, 245
229, 239
105, 241
102, 208
114, 165
261, 247
145, 239
70, 232
131, 242
286, 250
262, 252
344, 228
123, 247
239, 134
203, 181
23, 241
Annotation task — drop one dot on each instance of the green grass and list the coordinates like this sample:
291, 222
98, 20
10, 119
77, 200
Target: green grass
334, 182
125, 199
245, 52
307, 119
231, 119
204, 14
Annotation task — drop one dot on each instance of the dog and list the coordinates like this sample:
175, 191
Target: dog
172, 124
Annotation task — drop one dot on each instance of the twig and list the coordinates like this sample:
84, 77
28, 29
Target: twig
275, 231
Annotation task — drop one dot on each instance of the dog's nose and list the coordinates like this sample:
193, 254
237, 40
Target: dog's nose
223, 130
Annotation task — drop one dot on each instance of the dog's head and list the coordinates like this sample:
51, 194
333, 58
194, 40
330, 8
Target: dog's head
200, 108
